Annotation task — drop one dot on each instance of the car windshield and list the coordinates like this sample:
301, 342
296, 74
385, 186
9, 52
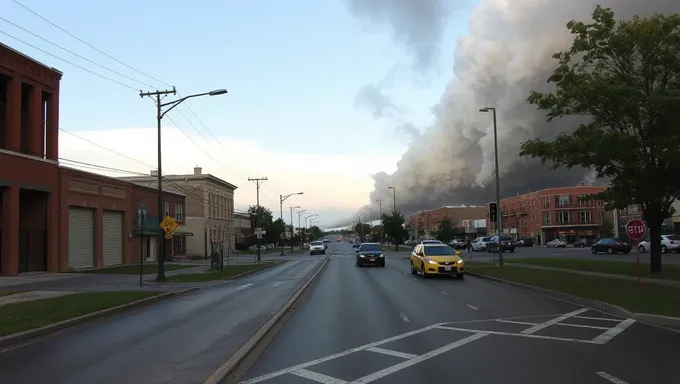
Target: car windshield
317, 243
370, 248
438, 251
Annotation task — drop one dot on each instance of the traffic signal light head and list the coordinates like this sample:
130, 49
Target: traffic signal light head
493, 211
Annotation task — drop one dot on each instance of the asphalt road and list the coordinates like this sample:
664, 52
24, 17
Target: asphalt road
384, 325
180, 341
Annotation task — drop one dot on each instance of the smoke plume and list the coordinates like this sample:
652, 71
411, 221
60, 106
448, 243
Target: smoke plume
505, 54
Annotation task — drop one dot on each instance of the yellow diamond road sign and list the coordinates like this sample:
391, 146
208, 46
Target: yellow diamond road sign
169, 225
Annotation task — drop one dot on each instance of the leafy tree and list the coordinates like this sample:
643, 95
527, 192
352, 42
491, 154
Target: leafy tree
445, 230
624, 77
362, 229
315, 232
606, 229
275, 230
394, 228
262, 216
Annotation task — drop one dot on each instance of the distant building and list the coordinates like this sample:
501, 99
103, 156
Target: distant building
470, 217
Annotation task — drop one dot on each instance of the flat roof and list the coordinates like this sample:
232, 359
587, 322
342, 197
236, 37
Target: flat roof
119, 180
31, 59
205, 176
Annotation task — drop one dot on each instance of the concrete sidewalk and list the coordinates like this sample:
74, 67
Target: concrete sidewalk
648, 280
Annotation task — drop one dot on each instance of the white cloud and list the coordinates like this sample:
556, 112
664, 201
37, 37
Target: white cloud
330, 182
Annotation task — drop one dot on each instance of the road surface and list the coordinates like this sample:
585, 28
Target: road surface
179, 341
386, 326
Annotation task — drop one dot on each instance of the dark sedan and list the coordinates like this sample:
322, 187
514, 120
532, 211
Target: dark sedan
610, 246
370, 254
506, 244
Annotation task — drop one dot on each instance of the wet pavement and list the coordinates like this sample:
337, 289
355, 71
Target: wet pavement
383, 325
179, 341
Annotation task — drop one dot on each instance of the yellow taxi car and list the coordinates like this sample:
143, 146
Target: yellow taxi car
436, 259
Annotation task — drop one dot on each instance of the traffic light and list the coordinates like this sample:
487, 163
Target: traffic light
493, 212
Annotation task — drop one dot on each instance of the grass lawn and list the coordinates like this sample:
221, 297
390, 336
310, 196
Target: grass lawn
17, 317
652, 298
7, 293
669, 271
133, 269
229, 273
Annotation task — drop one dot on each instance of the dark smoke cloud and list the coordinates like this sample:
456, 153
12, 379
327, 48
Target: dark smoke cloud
505, 54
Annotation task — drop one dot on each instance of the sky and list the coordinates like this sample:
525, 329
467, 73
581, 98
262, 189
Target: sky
293, 69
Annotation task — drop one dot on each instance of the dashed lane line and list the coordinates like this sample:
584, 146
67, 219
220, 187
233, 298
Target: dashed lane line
610, 378
245, 286
404, 317
444, 293
473, 307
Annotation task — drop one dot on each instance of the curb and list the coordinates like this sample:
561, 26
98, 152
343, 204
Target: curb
660, 321
15, 339
240, 275
237, 358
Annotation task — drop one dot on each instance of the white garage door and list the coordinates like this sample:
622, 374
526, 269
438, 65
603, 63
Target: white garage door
112, 237
80, 237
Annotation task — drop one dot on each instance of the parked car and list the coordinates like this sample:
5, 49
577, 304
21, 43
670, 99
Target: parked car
479, 245
504, 243
524, 243
458, 243
669, 243
356, 243
610, 245
582, 243
370, 253
557, 243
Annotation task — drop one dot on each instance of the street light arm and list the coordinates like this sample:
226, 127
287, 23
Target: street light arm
177, 102
284, 197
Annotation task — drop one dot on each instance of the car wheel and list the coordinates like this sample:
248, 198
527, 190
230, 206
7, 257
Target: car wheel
461, 276
664, 249
414, 271
424, 272
512, 250
592, 250
642, 248
610, 251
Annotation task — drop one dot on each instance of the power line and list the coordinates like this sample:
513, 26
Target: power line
88, 44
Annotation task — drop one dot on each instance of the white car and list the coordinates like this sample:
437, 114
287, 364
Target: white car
669, 243
557, 243
479, 245
317, 247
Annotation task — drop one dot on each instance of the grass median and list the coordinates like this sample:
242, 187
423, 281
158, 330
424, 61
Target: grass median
18, 317
133, 269
651, 298
626, 268
230, 272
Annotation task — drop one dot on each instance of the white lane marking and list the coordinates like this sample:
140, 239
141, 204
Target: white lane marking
337, 355
473, 307
515, 334
405, 274
418, 359
444, 293
403, 317
414, 279
581, 326
612, 379
279, 283
609, 334
554, 321
515, 322
318, 377
390, 352
596, 318
245, 286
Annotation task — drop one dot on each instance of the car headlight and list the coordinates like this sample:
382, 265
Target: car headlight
460, 261
362, 255
430, 261
381, 255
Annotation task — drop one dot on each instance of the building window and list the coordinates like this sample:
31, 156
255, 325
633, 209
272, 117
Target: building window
179, 245
563, 217
585, 217
179, 212
546, 218
546, 202
563, 200
166, 206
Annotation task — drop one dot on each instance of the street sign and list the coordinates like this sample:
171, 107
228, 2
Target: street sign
259, 232
169, 225
636, 229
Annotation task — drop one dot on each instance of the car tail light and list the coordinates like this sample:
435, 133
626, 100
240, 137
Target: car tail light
617, 243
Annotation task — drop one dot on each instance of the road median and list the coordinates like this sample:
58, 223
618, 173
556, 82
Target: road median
230, 272
653, 304
24, 321
222, 374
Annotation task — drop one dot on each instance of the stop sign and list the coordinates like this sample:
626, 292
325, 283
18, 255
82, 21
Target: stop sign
636, 229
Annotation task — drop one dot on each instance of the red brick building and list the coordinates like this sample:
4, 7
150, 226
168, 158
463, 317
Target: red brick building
552, 213
53, 217
425, 223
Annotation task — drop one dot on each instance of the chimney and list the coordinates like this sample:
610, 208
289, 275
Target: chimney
197, 171
154, 172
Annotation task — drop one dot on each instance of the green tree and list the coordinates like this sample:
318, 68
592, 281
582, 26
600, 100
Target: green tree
262, 215
445, 231
362, 229
624, 77
394, 228
275, 230
315, 232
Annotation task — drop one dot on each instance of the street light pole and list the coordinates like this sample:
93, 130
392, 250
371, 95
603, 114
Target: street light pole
283, 198
291, 227
499, 214
300, 212
159, 116
141, 213
309, 217
394, 213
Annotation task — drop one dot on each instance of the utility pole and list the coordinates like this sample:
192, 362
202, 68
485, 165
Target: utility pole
300, 212
283, 198
258, 182
499, 212
292, 227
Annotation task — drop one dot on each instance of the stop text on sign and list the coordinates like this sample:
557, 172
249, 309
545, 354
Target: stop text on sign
636, 229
